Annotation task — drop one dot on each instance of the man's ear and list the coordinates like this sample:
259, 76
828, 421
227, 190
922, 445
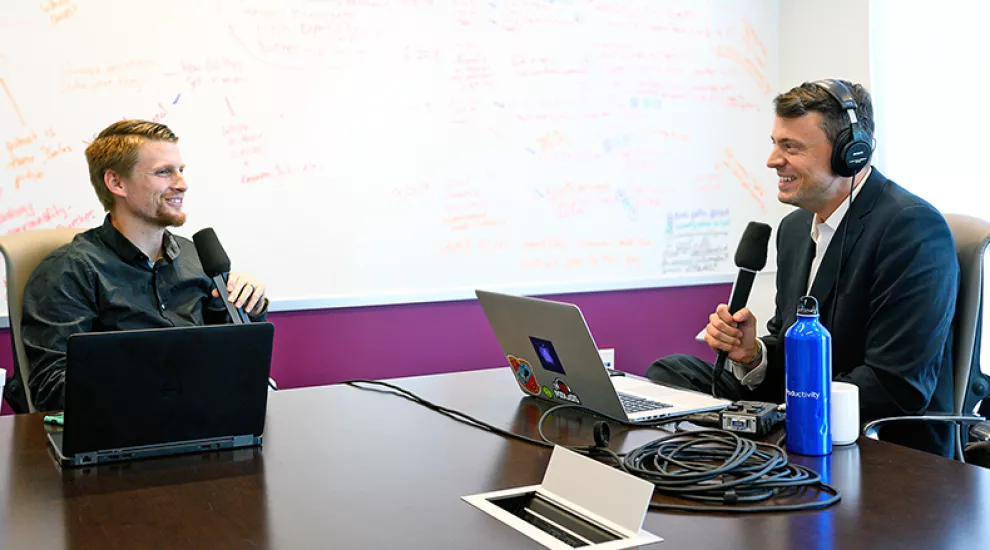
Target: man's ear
114, 183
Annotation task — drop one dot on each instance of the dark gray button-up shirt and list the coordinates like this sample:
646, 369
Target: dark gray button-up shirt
102, 282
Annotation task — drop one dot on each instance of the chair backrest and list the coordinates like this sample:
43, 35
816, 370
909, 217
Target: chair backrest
22, 252
972, 235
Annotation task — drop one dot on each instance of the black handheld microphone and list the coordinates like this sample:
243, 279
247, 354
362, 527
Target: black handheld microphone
216, 264
751, 257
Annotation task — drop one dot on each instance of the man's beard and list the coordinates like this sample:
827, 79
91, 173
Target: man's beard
166, 218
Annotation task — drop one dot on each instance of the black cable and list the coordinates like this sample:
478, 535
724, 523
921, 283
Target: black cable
451, 413
715, 468
472, 421
590, 450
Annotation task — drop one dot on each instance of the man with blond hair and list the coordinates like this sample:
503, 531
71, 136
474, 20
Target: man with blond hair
131, 272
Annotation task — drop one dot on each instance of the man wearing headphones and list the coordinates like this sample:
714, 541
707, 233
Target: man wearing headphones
888, 301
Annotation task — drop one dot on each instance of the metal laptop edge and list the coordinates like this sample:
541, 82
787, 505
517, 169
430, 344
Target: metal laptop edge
148, 451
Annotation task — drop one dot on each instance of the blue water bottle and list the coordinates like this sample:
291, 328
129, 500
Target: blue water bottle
808, 361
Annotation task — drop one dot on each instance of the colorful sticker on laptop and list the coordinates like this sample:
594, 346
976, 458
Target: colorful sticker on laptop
547, 355
562, 391
524, 374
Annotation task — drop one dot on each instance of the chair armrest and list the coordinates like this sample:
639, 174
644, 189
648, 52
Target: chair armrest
980, 432
872, 429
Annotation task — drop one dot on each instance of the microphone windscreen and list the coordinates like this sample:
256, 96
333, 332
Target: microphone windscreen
211, 253
752, 251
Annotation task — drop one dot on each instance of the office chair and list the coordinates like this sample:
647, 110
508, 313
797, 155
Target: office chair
972, 236
22, 252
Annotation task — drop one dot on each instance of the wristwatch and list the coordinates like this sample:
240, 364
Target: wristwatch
757, 358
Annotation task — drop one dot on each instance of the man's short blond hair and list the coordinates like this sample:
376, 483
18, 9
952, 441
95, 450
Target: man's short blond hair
116, 149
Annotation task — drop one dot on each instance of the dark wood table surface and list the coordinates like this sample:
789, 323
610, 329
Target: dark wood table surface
345, 468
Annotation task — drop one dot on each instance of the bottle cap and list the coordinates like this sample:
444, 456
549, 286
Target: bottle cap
807, 305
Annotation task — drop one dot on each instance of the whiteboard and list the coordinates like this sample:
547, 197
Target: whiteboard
358, 152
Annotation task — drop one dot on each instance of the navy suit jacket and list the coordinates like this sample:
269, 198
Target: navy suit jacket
894, 302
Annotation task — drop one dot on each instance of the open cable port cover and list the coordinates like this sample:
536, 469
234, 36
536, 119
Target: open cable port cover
581, 503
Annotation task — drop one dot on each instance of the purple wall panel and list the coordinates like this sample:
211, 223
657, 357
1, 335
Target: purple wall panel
326, 346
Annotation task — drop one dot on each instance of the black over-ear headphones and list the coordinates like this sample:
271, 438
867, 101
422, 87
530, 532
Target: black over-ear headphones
852, 148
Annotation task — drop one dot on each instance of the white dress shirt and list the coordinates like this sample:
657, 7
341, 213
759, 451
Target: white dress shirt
821, 234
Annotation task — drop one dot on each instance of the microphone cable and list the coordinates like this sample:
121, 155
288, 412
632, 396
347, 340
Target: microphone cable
717, 469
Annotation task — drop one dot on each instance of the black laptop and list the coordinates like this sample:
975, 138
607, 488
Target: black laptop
143, 393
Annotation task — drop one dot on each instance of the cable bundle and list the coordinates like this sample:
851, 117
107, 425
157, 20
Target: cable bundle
714, 467
717, 467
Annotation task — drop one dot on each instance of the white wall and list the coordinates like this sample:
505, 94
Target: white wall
910, 112
811, 50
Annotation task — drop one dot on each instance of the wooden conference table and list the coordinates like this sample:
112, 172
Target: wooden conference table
346, 468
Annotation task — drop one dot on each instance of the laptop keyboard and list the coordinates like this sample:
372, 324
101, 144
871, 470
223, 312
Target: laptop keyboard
632, 404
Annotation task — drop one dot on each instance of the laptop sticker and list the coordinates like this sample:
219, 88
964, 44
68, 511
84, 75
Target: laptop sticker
547, 355
561, 391
524, 374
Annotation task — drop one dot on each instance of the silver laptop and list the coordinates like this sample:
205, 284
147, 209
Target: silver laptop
553, 356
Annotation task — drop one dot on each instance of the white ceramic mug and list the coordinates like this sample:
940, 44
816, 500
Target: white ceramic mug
845, 413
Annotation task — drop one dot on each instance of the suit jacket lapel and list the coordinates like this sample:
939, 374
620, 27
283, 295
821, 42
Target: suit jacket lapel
824, 286
805, 255
825, 281
794, 261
